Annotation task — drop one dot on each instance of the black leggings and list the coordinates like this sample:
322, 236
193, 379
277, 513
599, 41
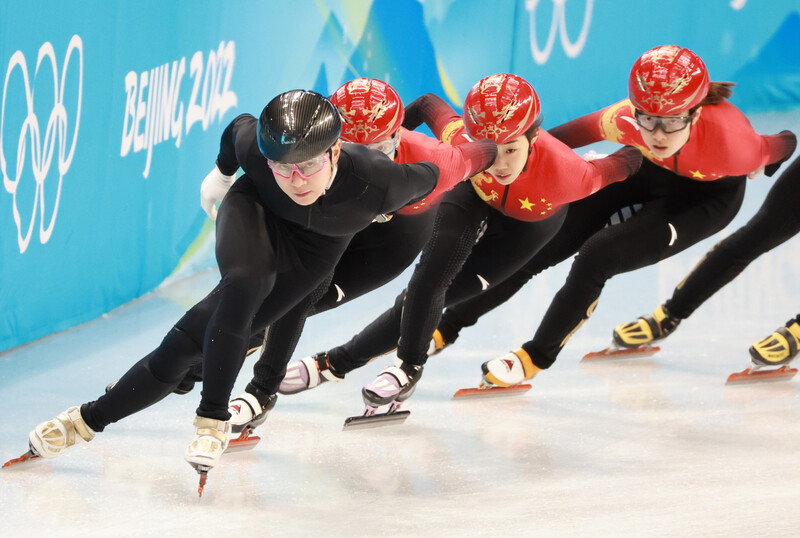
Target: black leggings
374, 257
676, 213
584, 218
777, 221
452, 268
267, 266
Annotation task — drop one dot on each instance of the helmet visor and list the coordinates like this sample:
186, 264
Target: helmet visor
387, 145
668, 124
306, 169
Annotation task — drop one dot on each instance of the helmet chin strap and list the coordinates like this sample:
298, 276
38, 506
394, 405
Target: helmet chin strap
530, 149
334, 168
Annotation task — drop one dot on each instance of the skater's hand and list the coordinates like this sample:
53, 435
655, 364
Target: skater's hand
755, 173
213, 190
592, 155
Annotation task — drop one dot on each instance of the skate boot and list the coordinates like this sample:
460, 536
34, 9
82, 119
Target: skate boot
646, 329
779, 348
511, 369
209, 443
774, 352
307, 373
437, 344
50, 439
249, 410
393, 386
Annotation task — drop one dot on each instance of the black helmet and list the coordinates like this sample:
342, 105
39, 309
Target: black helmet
296, 126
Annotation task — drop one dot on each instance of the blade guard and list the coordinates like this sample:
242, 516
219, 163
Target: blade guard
376, 420
491, 392
751, 375
621, 353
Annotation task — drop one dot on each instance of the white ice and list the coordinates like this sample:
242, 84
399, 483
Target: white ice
640, 447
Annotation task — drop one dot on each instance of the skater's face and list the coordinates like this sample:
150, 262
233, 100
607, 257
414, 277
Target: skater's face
654, 129
511, 159
305, 182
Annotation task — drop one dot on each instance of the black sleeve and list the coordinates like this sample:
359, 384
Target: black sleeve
413, 182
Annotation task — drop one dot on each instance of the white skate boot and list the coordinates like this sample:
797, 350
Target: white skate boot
503, 376
247, 411
307, 373
209, 443
511, 369
50, 439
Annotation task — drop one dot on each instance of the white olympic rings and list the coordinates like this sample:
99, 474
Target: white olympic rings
557, 25
41, 155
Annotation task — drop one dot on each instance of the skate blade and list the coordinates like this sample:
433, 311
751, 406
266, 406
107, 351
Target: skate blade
27, 457
621, 353
374, 421
202, 470
491, 392
748, 375
244, 442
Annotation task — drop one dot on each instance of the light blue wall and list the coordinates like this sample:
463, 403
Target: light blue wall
112, 111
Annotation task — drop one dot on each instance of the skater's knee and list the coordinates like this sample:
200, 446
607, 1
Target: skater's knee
248, 281
176, 355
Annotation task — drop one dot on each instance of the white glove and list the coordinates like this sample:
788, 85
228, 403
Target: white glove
755, 173
592, 155
213, 190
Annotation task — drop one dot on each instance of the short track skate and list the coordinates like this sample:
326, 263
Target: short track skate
758, 374
371, 419
613, 351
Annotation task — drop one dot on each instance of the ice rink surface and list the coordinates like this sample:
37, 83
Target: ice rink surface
637, 447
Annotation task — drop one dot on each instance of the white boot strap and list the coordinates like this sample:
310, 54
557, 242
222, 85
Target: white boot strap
251, 401
205, 426
211, 432
330, 376
397, 373
313, 372
73, 423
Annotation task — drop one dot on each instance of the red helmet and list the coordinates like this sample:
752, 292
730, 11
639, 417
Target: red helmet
668, 80
371, 110
501, 108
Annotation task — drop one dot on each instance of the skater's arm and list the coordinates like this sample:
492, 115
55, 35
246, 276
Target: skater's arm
238, 135
779, 148
581, 131
431, 110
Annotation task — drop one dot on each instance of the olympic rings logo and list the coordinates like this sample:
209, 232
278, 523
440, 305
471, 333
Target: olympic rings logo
557, 25
41, 150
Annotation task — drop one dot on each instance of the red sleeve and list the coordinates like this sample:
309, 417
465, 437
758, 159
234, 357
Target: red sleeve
433, 111
779, 147
620, 165
455, 163
581, 131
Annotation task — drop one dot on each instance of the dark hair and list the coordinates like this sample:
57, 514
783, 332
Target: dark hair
533, 130
718, 91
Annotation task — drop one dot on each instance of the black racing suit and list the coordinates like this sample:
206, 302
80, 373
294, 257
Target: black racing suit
271, 253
